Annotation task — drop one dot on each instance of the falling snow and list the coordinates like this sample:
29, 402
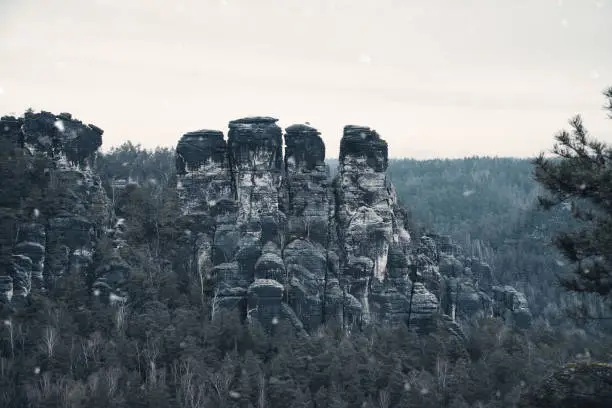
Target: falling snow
407, 386
37, 370
560, 262
234, 394
275, 320
468, 193
365, 59
6, 128
59, 125
36, 213
7, 322
115, 298
96, 292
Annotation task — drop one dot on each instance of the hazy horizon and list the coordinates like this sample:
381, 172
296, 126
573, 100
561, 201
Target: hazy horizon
436, 79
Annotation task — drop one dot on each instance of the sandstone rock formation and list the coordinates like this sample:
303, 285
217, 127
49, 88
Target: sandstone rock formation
573, 386
274, 235
61, 236
280, 241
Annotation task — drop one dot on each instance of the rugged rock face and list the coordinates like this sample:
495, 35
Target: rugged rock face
275, 236
29, 259
280, 241
575, 385
60, 237
511, 305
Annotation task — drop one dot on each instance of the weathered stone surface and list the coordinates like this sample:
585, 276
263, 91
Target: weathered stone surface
573, 386
29, 258
283, 241
264, 301
304, 194
511, 305
463, 299
255, 154
6, 289
63, 234
368, 222
61, 137
204, 172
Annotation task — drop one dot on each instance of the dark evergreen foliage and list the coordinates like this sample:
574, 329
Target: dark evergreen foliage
70, 348
580, 176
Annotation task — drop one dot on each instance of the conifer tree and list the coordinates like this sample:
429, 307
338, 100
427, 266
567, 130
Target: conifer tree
579, 177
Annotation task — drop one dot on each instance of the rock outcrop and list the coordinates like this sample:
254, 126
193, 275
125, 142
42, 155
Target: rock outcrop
60, 237
280, 241
573, 386
273, 234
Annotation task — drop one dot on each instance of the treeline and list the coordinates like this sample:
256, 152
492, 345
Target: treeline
71, 348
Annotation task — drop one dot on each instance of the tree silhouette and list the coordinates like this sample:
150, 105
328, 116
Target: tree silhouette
579, 177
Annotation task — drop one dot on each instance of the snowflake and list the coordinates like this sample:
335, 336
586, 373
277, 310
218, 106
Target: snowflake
7, 322
497, 393
407, 386
6, 128
275, 320
424, 391
96, 292
36, 213
560, 262
234, 394
37, 370
365, 59
468, 193
59, 125
582, 186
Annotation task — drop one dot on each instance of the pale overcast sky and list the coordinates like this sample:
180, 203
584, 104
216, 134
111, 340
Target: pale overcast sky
436, 78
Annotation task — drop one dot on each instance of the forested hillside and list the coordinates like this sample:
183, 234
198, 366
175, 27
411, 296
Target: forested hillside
70, 348
489, 205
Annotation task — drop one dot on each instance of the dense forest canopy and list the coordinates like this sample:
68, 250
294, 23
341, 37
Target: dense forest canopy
72, 347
